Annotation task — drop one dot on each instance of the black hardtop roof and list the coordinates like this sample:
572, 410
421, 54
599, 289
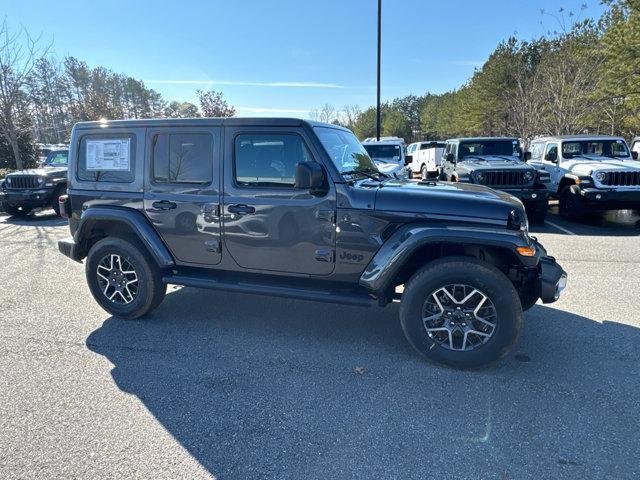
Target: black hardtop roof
201, 122
480, 139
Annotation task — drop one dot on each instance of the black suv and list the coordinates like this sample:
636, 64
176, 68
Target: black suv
26, 190
498, 162
294, 208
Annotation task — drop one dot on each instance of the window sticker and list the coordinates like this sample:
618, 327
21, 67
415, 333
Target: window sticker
112, 154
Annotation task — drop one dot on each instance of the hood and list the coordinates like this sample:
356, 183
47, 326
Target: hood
447, 200
41, 172
586, 164
491, 162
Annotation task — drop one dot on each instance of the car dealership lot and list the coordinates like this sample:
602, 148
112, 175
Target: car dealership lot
235, 386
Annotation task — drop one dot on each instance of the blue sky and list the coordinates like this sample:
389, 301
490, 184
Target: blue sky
286, 57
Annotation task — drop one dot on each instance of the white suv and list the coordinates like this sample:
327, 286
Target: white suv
425, 158
388, 155
589, 172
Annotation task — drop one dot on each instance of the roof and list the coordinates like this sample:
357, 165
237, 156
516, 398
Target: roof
209, 122
577, 137
479, 139
382, 142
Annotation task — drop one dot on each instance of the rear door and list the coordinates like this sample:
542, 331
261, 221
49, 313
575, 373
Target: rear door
269, 225
182, 191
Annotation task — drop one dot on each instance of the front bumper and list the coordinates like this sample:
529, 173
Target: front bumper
28, 198
527, 194
611, 199
552, 279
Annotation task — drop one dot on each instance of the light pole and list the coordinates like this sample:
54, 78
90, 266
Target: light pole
379, 49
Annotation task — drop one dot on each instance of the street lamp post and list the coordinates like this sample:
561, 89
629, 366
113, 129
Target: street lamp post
378, 87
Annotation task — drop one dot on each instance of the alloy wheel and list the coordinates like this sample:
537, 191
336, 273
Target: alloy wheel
459, 317
118, 279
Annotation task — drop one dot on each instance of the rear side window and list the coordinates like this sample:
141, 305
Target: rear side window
268, 160
183, 158
107, 158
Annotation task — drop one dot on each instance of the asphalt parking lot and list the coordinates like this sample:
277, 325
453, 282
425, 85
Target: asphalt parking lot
234, 386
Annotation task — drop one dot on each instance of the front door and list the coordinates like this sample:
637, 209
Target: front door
268, 224
182, 191
552, 152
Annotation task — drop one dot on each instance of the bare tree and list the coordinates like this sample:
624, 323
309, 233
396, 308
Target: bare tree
19, 53
327, 113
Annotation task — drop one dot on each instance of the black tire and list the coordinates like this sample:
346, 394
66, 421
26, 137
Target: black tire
571, 205
16, 211
150, 288
478, 275
442, 176
537, 212
56, 205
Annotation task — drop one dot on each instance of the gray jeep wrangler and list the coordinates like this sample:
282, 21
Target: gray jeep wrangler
294, 208
498, 162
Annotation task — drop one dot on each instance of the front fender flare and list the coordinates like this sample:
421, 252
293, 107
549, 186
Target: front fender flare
135, 220
405, 241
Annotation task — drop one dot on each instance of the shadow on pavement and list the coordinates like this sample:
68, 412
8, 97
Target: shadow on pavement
47, 218
258, 387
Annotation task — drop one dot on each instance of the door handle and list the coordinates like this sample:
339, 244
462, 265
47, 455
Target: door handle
241, 209
164, 205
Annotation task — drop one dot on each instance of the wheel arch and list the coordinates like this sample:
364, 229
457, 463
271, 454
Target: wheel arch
566, 181
100, 222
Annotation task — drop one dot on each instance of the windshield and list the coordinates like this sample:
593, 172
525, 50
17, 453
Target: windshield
56, 158
602, 148
384, 152
489, 147
345, 150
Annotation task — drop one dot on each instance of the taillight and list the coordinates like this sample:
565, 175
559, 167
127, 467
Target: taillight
62, 203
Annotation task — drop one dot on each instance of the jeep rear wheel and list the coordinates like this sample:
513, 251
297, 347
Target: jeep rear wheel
571, 205
461, 312
123, 279
424, 174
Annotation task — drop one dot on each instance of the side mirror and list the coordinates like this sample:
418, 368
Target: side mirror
552, 157
527, 156
634, 155
408, 159
450, 158
309, 176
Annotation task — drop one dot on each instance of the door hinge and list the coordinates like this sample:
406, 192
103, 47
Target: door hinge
325, 255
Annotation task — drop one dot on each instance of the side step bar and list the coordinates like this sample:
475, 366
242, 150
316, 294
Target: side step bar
332, 296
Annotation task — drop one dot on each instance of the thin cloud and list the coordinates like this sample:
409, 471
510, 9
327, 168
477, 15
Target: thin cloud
270, 110
248, 84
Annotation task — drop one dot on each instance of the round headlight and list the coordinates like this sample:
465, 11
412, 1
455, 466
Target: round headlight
600, 176
479, 177
528, 175
9, 181
40, 180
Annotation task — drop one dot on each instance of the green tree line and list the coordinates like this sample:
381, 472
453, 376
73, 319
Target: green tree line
582, 79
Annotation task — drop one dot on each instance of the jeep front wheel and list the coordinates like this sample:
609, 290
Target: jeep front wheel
16, 211
461, 312
570, 204
123, 279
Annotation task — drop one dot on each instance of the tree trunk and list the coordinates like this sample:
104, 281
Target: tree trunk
13, 140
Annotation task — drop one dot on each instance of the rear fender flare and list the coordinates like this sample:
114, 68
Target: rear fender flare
134, 220
390, 258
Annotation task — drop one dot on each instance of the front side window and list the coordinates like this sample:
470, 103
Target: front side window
183, 158
107, 158
268, 160
345, 150
552, 149
600, 148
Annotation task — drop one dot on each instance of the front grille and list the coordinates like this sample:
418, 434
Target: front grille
622, 179
502, 178
23, 181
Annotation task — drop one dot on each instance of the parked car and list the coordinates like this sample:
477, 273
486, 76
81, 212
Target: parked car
298, 209
635, 145
498, 162
425, 158
388, 155
589, 172
26, 190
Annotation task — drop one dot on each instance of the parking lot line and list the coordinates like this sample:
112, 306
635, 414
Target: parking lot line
562, 229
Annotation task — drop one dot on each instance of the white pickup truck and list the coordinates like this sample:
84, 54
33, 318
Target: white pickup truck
425, 158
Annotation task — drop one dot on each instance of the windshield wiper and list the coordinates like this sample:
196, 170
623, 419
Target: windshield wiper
369, 173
